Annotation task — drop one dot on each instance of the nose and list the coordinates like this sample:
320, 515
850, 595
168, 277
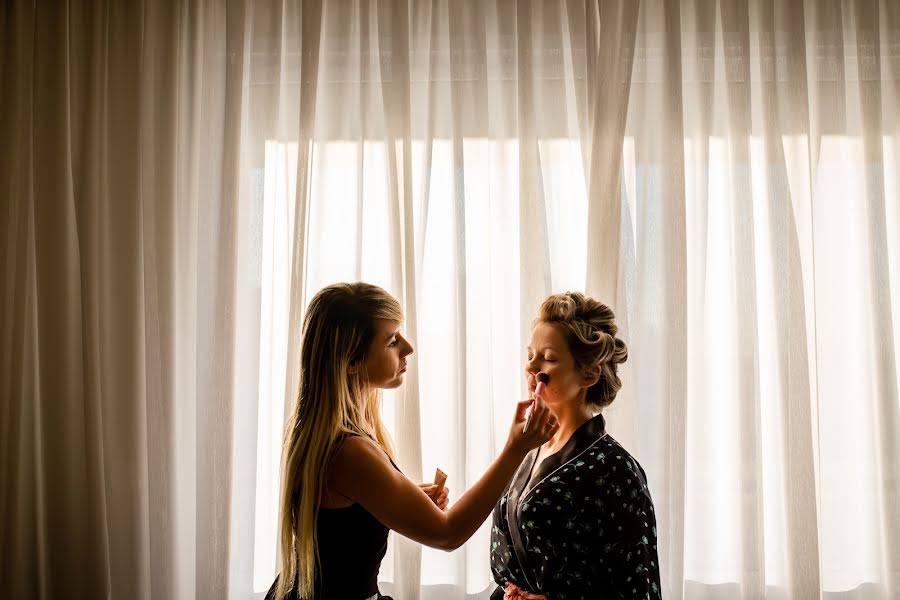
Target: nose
407, 348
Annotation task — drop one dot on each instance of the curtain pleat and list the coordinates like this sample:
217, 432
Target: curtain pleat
178, 179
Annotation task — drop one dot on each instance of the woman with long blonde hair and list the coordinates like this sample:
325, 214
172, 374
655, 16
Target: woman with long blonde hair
341, 489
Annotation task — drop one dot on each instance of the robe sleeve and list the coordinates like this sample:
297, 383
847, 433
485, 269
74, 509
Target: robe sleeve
631, 556
504, 565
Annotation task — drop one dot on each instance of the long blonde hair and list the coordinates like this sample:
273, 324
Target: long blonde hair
337, 331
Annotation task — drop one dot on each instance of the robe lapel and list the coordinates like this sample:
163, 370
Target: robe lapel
516, 488
527, 478
584, 437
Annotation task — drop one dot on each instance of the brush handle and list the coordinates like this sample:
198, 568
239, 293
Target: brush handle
528, 420
538, 392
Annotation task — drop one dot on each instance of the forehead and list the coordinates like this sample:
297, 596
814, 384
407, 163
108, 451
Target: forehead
548, 335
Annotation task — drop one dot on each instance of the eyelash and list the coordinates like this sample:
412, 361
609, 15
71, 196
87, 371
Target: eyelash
550, 360
392, 344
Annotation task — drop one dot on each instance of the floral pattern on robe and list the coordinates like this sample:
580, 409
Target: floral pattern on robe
582, 527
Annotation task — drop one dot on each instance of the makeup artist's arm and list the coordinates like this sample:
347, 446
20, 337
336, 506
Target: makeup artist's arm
362, 472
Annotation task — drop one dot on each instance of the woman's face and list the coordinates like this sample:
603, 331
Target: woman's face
385, 362
548, 351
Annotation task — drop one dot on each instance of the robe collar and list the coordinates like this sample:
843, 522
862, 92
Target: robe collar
524, 481
587, 434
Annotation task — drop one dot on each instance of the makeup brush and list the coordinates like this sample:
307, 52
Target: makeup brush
542, 380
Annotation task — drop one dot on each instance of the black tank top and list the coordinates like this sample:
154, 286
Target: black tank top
352, 543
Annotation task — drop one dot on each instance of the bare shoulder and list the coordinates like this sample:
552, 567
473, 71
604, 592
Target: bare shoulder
359, 464
357, 448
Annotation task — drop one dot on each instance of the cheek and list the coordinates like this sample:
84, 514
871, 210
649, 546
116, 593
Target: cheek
381, 370
562, 382
384, 368
391, 362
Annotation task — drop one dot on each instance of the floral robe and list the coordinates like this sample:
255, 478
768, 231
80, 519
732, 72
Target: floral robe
581, 527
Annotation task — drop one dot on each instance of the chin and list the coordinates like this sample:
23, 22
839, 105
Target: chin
395, 383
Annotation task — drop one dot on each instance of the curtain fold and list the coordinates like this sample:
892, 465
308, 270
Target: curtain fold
660, 329
114, 342
178, 179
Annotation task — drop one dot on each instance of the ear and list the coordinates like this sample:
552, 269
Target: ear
590, 376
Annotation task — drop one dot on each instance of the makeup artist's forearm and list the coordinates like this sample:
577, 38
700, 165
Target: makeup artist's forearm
469, 512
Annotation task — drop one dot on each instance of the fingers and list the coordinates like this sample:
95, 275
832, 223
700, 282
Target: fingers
551, 427
521, 409
539, 428
552, 421
428, 488
546, 421
440, 496
540, 411
442, 499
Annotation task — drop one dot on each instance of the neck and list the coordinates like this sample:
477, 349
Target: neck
572, 414
370, 395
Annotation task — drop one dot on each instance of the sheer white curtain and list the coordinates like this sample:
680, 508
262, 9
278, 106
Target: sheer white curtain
763, 140
177, 181
119, 195
446, 151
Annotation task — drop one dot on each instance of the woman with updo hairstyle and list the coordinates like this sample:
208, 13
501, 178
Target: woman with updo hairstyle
577, 520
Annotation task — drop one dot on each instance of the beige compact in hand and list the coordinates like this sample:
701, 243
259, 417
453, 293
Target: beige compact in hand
440, 478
